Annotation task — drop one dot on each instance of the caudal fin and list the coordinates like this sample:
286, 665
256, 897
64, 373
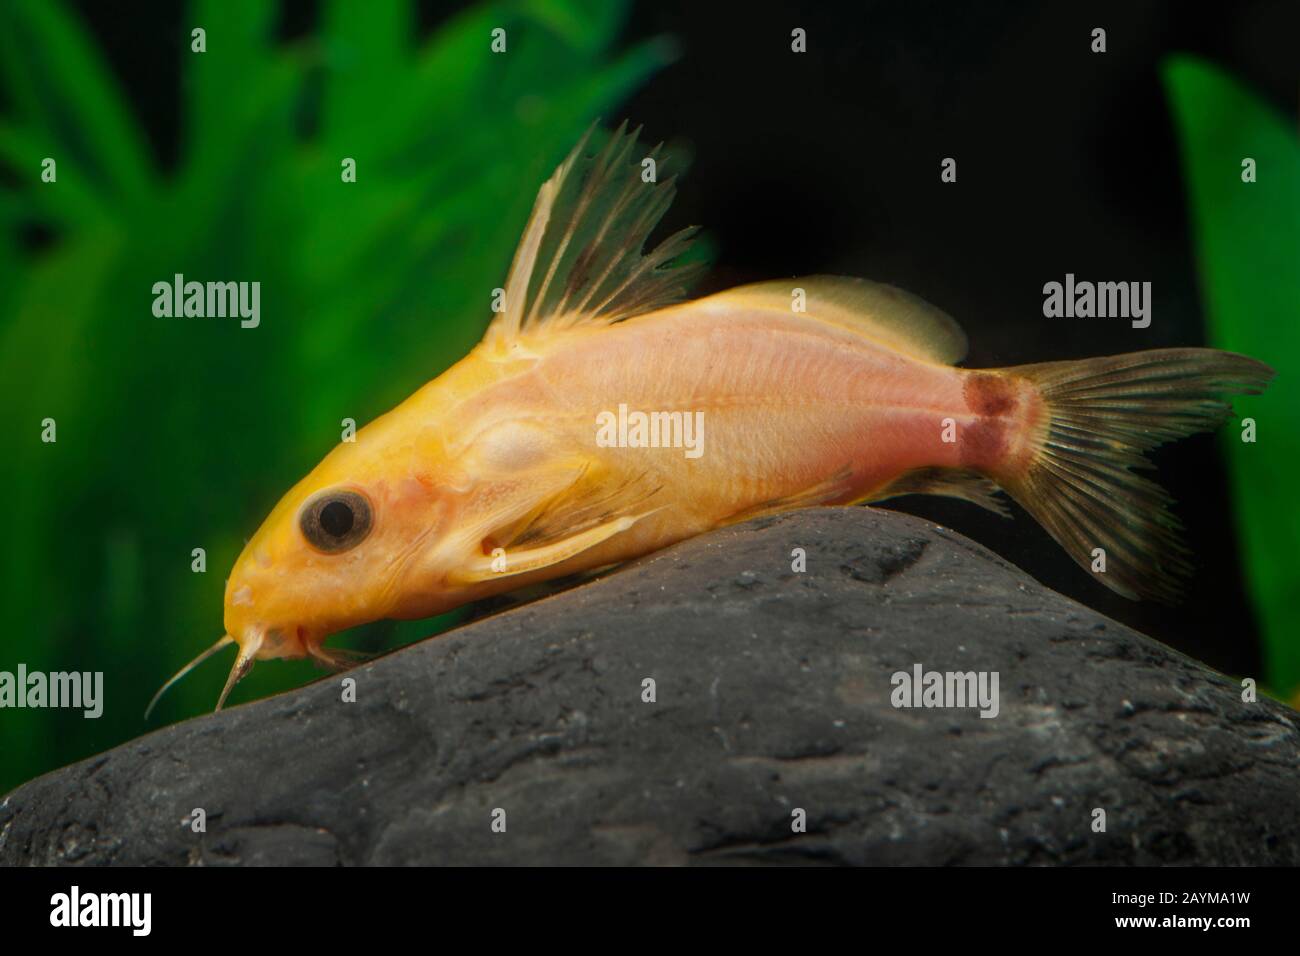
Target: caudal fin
1103, 413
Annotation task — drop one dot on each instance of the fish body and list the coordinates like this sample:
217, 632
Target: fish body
794, 410
791, 409
603, 417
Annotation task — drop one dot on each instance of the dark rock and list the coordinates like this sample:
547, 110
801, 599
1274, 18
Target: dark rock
773, 693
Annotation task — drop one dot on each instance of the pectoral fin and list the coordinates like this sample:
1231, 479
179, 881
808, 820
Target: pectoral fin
591, 509
506, 562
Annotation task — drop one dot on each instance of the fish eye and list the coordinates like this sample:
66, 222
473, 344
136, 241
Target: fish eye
335, 521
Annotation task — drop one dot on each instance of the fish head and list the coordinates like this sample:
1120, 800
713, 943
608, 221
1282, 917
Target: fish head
336, 551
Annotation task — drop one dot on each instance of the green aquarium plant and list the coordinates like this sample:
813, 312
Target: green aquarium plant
1242, 165
173, 437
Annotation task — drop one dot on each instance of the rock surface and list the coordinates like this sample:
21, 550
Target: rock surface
772, 693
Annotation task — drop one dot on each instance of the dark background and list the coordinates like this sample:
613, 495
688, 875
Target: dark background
829, 162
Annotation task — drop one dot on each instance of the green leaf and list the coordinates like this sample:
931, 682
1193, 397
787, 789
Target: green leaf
230, 92
367, 55
69, 200
61, 83
586, 25
1248, 250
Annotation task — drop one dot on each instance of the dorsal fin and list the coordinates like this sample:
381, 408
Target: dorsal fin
580, 259
874, 310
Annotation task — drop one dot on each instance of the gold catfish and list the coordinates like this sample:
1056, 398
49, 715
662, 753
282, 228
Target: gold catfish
603, 416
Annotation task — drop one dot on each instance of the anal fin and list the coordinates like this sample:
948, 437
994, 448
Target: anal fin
950, 483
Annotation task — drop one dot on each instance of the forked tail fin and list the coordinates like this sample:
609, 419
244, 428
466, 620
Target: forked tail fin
1102, 414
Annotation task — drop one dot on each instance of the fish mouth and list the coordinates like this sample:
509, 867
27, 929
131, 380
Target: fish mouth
281, 642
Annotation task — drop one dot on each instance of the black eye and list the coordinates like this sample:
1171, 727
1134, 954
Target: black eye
335, 521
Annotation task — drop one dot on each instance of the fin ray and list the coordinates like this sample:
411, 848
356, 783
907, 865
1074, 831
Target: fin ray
587, 502
948, 482
1103, 414
589, 509
544, 555
580, 261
